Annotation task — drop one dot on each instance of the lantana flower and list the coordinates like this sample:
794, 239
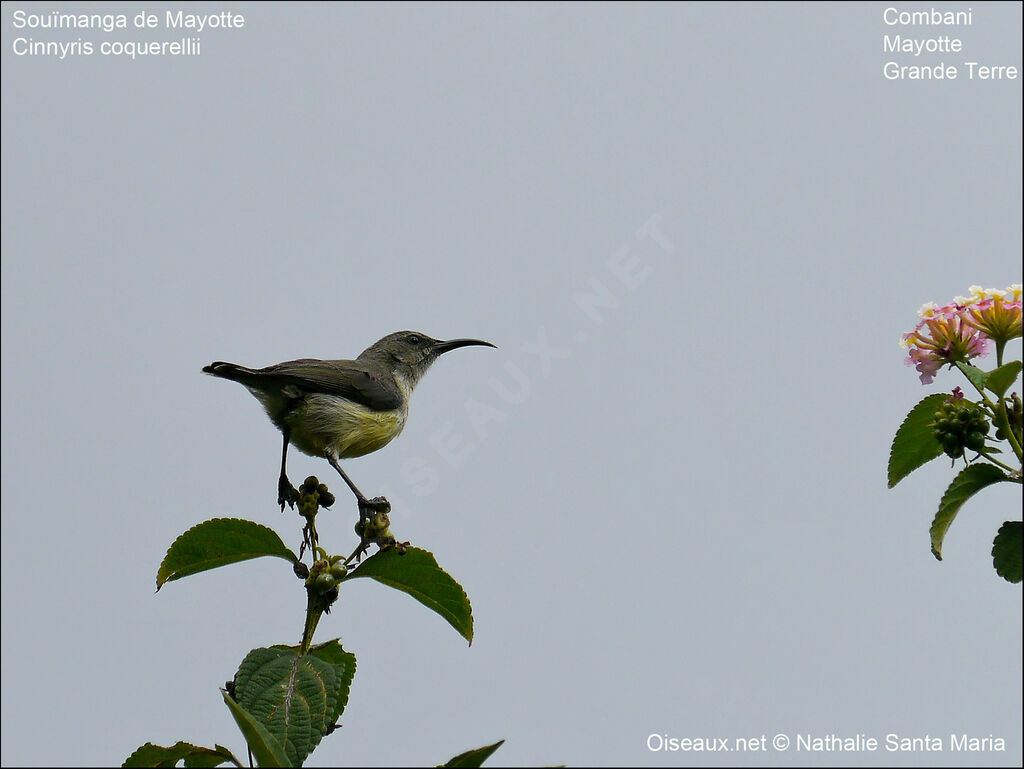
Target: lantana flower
942, 337
994, 312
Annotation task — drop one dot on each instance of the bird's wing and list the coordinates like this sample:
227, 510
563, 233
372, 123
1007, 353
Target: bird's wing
348, 378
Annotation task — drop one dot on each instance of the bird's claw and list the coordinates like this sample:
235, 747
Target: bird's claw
286, 493
375, 505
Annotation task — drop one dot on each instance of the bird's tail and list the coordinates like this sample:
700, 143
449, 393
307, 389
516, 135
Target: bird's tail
232, 371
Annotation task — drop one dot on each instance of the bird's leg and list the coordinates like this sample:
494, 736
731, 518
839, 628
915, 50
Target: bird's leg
366, 506
286, 493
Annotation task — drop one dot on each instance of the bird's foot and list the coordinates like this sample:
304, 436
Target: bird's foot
286, 493
368, 507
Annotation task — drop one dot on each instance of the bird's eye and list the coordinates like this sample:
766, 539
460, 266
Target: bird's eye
412, 339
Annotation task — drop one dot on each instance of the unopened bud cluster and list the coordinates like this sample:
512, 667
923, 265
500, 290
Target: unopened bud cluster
959, 425
312, 495
376, 529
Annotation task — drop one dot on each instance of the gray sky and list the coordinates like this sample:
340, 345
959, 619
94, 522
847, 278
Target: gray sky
670, 514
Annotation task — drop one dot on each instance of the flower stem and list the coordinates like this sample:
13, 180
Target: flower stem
314, 610
1003, 420
995, 461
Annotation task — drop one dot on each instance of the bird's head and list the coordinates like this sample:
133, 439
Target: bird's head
410, 353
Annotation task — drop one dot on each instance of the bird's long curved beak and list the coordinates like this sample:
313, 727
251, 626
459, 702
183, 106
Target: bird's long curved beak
452, 344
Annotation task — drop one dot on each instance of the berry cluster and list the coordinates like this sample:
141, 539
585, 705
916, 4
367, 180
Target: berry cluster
328, 579
959, 425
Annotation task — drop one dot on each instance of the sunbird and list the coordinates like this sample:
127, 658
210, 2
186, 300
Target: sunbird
338, 409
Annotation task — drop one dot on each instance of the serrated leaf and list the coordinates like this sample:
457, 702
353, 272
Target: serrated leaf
344, 664
1008, 551
417, 573
978, 377
219, 542
193, 756
474, 758
297, 699
969, 482
265, 748
1000, 379
915, 443
220, 749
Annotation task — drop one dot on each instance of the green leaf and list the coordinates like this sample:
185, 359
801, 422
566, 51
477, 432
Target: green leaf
978, 377
297, 699
473, 758
1008, 551
970, 481
417, 573
1000, 379
915, 444
345, 663
193, 755
217, 543
265, 748
203, 760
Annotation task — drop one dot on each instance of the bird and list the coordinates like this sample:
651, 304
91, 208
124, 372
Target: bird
340, 409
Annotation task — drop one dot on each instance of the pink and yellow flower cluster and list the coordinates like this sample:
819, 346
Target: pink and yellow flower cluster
962, 329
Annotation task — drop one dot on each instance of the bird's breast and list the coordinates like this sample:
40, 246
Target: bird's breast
330, 422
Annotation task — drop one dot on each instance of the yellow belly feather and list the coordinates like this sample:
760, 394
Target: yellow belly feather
328, 422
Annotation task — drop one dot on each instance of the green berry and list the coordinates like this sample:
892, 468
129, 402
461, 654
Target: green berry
975, 441
338, 571
325, 582
952, 447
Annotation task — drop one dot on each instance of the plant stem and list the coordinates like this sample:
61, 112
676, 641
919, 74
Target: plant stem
1003, 420
995, 461
314, 610
984, 398
361, 548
